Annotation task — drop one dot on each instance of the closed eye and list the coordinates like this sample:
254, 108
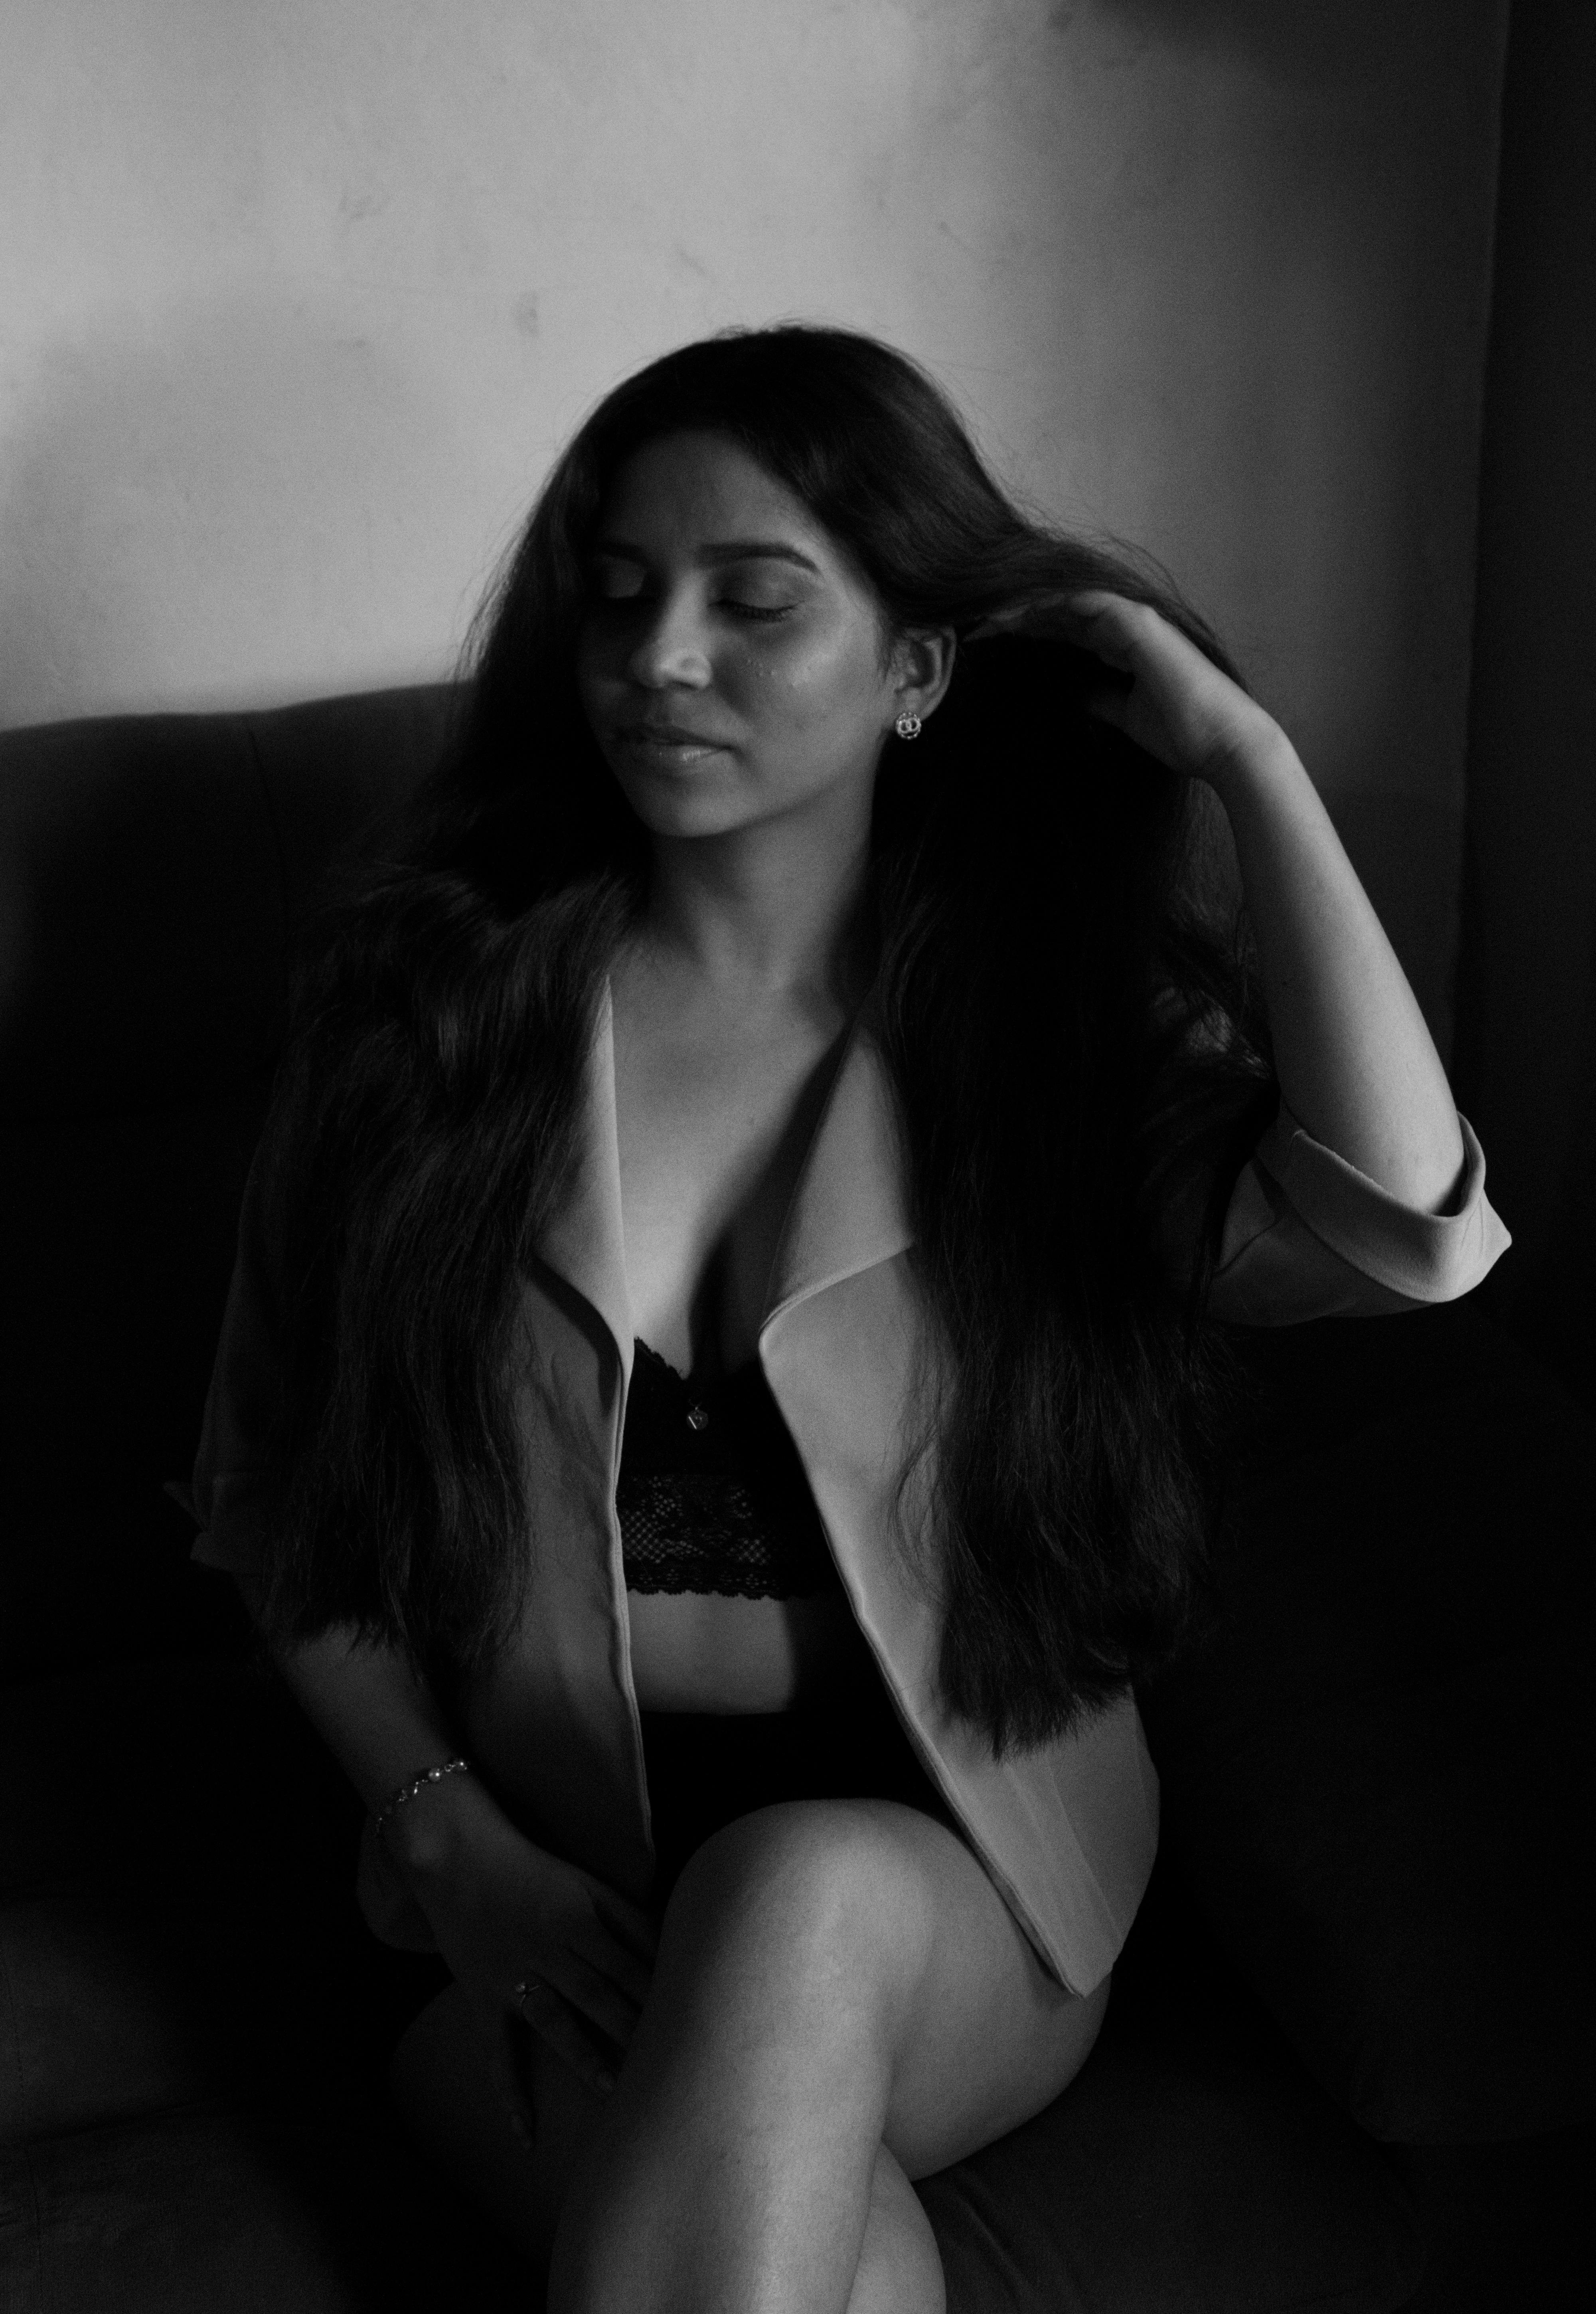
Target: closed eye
638, 599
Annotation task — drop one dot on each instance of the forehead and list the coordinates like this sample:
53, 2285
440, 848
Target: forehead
686, 492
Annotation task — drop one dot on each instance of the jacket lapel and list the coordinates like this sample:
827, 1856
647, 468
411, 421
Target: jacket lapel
840, 1343
585, 1242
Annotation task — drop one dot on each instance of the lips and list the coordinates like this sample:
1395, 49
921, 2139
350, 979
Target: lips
666, 735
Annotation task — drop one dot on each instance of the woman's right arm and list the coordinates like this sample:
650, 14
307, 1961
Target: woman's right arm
501, 1908
380, 1723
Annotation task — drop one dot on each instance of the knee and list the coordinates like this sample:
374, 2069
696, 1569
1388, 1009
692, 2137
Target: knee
829, 1891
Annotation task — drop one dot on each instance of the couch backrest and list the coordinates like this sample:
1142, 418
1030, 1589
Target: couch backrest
153, 870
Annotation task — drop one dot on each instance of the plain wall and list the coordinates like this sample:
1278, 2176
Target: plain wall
299, 301
1527, 1046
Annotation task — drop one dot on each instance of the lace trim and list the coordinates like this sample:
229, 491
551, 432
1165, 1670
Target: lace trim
712, 1496
693, 1533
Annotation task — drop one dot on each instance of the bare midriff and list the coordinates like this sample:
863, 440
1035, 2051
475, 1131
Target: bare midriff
697, 1651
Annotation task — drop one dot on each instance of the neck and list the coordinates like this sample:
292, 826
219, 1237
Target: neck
766, 912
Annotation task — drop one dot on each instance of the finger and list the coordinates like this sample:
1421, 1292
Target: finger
595, 1993
1107, 626
618, 1964
635, 1927
552, 2017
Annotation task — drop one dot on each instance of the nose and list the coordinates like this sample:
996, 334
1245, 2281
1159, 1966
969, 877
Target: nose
670, 646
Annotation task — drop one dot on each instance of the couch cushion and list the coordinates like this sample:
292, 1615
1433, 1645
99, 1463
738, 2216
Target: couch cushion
177, 1917
153, 868
112, 1289
1175, 2182
1190, 2166
214, 2210
1376, 1767
153, 872
193, 2018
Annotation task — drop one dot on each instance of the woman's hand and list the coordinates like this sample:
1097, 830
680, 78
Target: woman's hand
1165, 694
505, 1912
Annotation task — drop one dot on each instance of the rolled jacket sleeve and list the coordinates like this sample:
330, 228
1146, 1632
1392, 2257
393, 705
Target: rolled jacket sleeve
234, 1479
1307, 1235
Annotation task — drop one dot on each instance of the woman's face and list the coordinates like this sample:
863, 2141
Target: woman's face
730, 659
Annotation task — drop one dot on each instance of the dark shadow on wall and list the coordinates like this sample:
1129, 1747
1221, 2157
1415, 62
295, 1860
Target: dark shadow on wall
1298, 40
194, 489
1526, 1065
1365, 137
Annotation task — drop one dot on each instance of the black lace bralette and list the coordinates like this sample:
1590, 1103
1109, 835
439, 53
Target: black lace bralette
711, 1494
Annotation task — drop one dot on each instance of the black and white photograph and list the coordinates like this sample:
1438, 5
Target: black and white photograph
797, 1072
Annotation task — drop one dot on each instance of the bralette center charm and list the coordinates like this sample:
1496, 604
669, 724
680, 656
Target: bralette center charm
697, 1418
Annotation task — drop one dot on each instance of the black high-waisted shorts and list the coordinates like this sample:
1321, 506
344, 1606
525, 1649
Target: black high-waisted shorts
705, 1768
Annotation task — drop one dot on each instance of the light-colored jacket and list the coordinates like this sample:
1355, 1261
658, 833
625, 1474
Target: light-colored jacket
1066, 1833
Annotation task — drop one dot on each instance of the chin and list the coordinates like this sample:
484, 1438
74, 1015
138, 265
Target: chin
688, 807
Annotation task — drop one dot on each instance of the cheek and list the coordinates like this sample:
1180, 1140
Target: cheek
812, 682
588, 664
582, 668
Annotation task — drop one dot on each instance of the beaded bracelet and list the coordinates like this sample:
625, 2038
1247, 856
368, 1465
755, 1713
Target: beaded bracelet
418, 1783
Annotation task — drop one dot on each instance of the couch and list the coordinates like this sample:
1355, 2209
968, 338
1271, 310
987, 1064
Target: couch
1348, 2059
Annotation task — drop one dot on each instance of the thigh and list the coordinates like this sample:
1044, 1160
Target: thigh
985, 2036
878, 1917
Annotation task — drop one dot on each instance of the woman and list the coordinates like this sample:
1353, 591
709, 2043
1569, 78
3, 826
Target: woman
719, 1391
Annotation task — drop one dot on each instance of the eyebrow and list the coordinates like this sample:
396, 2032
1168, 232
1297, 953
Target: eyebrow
723, 550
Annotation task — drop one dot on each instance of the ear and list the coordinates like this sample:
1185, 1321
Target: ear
922, 669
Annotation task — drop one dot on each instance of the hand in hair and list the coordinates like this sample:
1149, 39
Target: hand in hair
1350, 1047
1164, 693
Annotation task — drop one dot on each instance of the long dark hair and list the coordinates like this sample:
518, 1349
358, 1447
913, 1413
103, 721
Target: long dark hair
1066, 1011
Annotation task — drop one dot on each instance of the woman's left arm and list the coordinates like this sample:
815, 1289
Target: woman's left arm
1355, 1062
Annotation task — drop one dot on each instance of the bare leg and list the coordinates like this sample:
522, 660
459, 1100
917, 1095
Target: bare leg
899, 2270
833, 1977
842, 2004
733, 2173
441, 2087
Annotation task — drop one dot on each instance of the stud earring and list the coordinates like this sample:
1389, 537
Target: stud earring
908, 726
